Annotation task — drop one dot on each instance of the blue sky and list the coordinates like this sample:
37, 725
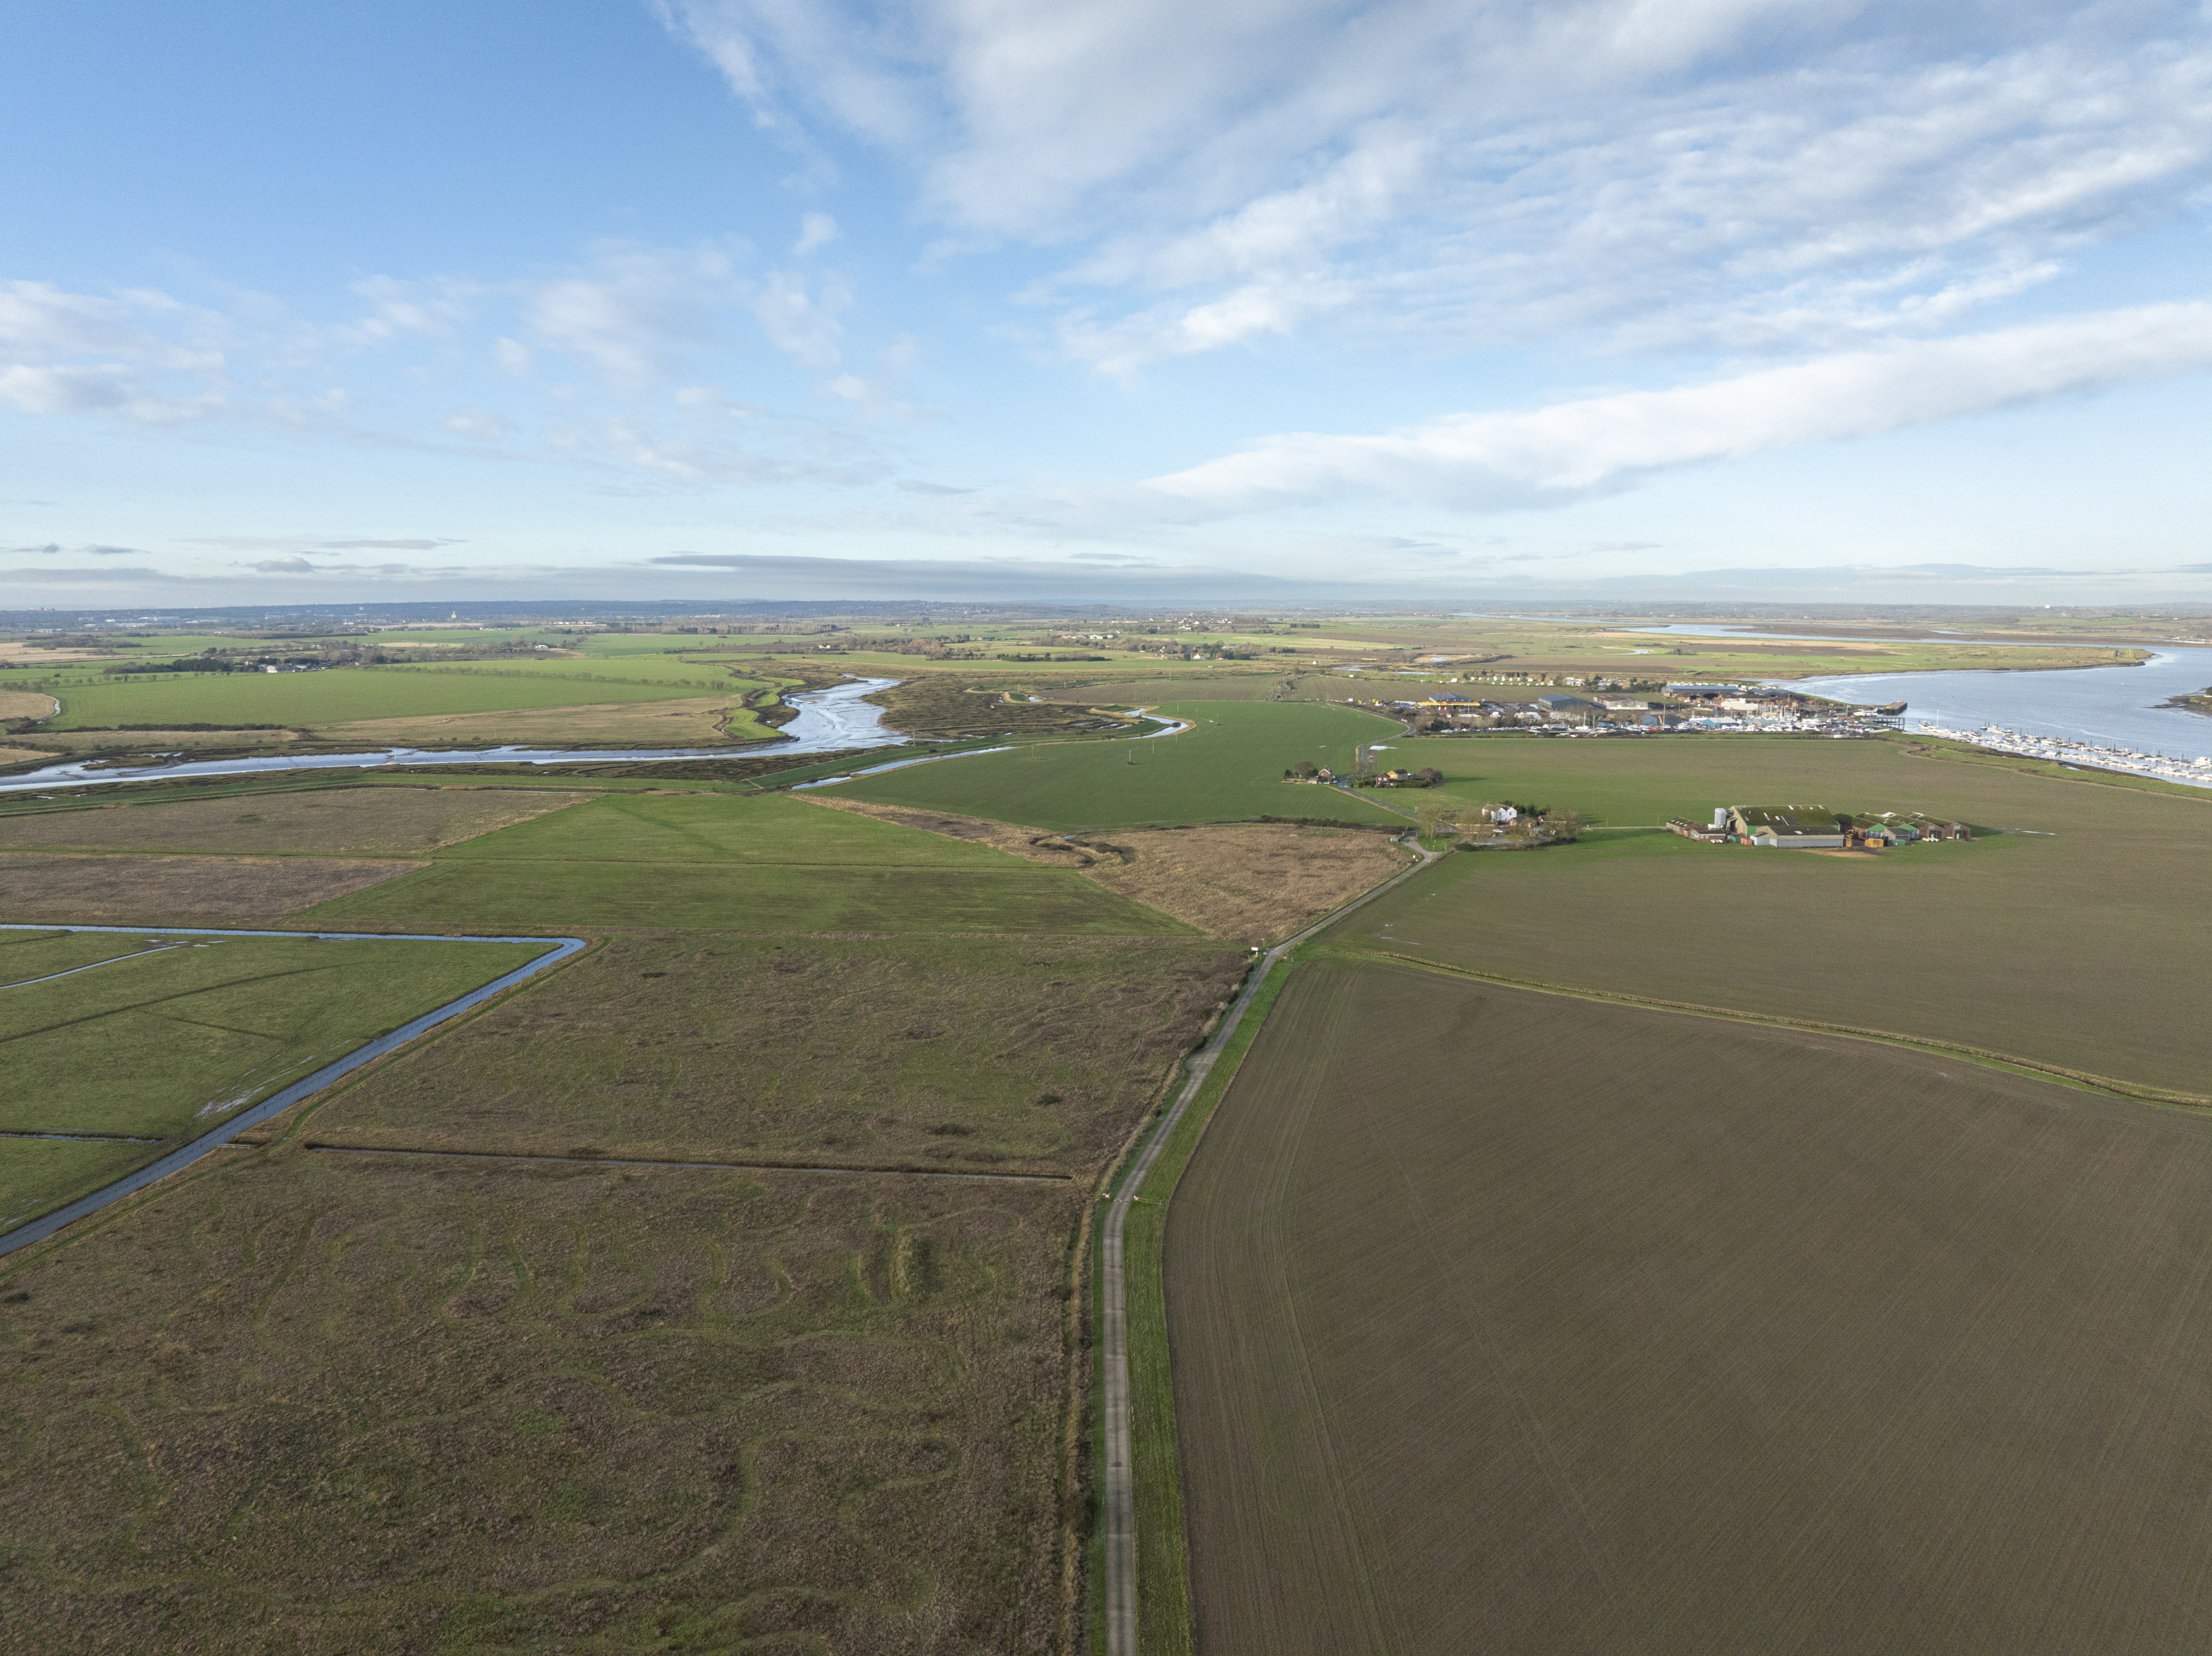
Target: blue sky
780, 299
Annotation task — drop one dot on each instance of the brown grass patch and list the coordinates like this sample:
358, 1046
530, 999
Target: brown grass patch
189, 890
348, 822
1253, 881
1256, 881
1028, 843
695, 722
152, 742
328, 1404
27, 704
23, 755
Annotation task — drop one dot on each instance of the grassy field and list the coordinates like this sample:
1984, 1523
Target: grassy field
391, 1402
723, 864
353, 822
1228, 768
1030, 1055
1515, 1322
321, 1404
346, 695
2076, 944
176, 1034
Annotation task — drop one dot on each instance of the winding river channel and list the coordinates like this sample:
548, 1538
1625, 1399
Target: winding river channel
833, 721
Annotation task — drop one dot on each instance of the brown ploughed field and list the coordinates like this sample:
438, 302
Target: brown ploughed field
1515, 1323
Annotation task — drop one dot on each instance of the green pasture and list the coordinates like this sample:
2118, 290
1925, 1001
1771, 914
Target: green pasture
342, 694
465, 895
165, 1044
37, 1175
2075, 939
725, 863
721, 829
1229, 767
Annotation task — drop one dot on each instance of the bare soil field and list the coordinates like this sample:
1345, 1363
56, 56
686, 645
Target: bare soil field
1257, 882
1028, 1056
313, 1403
94, 890
348, 822
1579, 1328
696, 722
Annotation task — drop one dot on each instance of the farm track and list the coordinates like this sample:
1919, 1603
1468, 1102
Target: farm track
1116, 1472
1889, 1037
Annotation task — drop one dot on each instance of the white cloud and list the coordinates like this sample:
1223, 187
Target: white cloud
138, 355
513, 356
802, 324
479, 424
636, 314
815, 230
1559, 453
1756, 173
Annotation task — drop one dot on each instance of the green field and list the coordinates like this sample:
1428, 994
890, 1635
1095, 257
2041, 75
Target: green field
178, 1034
366, 820
769, 828
344, 694
731, 864
1228, 768
1572, 1328
2075, 938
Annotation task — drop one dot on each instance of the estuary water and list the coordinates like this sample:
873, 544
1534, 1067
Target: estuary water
2106, 706
829, 721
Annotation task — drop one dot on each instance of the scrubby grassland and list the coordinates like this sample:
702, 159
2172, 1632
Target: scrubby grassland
2079, 945
323, 1404
943, 704
767, 864
1581, 1328
354, 821
1218, 684
165, 1045
96, 889
695, 722
1229, 767
1030, 1055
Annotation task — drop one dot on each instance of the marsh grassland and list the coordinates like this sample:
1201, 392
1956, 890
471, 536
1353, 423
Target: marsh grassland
372, 1383
1581, 1328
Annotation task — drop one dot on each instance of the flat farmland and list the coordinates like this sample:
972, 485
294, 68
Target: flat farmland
173, 1035
329, 1404
1522, 1323
1229, 767
721, 863
2080, 946
348, 822
1029, 1054
342, 694
126, 890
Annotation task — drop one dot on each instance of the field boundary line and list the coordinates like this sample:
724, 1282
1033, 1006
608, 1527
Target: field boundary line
673, 1163
1889, 1037
1116, 1468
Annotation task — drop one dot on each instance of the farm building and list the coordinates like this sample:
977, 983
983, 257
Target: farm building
1797, 828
